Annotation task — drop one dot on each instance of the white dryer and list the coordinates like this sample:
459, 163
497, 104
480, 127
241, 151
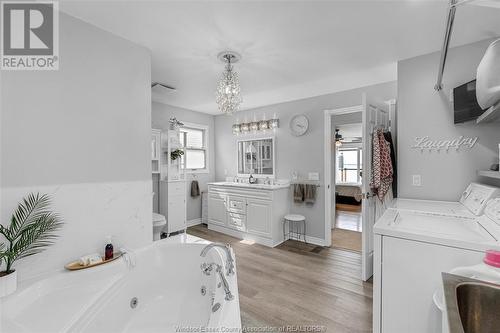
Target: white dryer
413, 247
472, 202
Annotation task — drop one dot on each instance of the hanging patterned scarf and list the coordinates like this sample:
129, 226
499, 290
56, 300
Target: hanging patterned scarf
381, 165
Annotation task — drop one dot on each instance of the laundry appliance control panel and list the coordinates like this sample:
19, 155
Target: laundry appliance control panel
476, 196
493, 210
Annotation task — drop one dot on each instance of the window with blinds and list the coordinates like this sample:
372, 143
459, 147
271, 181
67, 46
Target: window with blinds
193, 140
349, 166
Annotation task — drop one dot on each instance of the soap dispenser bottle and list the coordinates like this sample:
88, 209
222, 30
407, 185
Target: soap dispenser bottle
108, 251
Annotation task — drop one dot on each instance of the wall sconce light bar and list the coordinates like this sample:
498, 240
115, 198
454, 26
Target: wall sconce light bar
255, 126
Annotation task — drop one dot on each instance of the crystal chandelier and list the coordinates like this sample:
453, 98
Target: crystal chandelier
228, 94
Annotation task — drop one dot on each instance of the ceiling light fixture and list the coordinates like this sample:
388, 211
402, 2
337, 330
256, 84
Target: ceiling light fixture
338, 138
228, 93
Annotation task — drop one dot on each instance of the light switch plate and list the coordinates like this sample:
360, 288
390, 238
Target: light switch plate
417, 180
313, 176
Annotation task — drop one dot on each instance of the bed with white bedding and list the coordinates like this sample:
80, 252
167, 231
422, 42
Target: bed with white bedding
352, 190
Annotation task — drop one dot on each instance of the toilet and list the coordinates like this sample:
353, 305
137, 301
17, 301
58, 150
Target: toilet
159, 222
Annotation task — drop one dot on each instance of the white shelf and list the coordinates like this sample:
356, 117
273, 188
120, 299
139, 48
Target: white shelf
488, 173
490, 115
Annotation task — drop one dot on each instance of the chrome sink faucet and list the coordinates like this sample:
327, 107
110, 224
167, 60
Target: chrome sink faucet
208, 268
229, 256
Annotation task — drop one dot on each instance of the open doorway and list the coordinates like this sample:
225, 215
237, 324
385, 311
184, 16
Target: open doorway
347, 166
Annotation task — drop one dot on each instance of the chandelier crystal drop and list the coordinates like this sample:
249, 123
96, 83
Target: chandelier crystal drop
228, 94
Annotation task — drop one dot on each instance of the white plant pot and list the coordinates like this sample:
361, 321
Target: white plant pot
8, 284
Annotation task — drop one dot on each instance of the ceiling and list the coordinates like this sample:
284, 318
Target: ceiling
351, 132
290, 49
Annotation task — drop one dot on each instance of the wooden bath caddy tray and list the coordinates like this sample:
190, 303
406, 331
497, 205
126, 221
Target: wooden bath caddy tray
75, 265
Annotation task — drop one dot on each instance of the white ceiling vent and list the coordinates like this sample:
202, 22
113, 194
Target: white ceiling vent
160, 87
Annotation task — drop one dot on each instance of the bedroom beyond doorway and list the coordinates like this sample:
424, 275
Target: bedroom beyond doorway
346, 233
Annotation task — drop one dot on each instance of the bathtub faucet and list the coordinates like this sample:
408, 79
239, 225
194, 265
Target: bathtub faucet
129, 257
229, 256
208, 268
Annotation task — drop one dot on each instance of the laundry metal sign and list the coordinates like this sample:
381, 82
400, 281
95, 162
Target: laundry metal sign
425, 142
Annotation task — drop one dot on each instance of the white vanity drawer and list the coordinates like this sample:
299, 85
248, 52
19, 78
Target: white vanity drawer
237, 205
237, 221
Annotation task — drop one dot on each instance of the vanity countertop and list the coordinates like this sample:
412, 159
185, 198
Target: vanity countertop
255, 186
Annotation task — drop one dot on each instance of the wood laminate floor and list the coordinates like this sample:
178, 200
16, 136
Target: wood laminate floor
348, 217
298, 284
346, 239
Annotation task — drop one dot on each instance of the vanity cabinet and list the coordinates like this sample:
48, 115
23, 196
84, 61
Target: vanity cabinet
217, 213
260, 215
248, 212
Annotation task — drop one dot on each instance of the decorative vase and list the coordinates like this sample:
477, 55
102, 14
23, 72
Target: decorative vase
8, 283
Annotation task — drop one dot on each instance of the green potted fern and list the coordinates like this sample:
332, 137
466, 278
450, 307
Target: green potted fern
175, 154
31, 230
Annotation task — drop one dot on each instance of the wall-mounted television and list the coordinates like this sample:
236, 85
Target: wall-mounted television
465, 104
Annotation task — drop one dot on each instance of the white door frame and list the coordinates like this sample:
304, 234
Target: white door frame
329, 185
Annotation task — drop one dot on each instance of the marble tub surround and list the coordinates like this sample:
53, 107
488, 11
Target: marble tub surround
90, 212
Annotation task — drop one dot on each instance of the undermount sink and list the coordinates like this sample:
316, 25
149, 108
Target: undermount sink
472, 305
479, 307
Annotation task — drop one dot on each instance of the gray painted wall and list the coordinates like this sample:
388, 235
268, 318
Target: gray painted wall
302, 154
81, 134
425, 112
161, 114
84, 122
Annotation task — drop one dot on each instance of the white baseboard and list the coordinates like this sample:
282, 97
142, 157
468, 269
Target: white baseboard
193, 222
242, 235
313, 240
258, 239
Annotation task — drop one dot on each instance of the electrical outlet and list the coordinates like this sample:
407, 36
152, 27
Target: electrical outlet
417, 180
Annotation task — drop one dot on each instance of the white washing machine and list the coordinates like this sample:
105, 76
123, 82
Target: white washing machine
472, 202
488, 271
413, 248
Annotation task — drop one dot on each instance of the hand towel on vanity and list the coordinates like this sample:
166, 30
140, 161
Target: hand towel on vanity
195, 189
298, 193
310, 194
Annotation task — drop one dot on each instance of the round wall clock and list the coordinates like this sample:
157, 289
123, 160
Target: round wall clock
299, 125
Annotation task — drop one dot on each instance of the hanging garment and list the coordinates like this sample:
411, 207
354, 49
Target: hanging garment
388, 138
381, 165
382, 205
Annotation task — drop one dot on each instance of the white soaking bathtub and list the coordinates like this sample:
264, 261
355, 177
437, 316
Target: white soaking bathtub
166, 283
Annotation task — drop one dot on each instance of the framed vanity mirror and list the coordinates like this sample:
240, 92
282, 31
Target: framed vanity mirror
256, 157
